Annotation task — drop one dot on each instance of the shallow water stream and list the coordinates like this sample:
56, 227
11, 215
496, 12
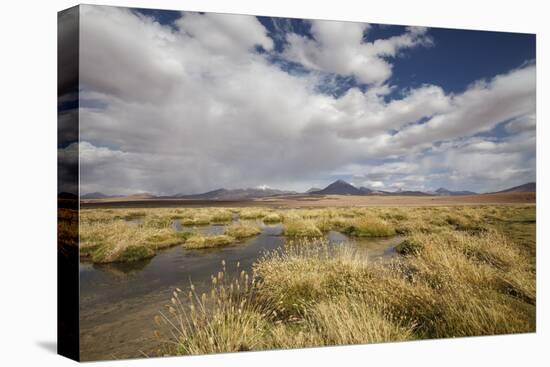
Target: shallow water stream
118, 301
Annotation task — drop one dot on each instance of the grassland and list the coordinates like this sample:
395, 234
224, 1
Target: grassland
128, 235
461, 271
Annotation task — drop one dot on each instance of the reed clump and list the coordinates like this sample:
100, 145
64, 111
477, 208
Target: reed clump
296, 227
197, 241
253, 213
120, 241
197, 220
242, 230
369, 227
222, 216
448, 282
273, 218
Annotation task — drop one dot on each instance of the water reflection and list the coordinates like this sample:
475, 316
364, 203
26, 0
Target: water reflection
117, 301
122, 269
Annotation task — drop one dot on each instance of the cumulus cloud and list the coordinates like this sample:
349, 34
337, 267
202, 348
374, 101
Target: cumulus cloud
481, 107
521, 124
225, 35
196, 106
339, 47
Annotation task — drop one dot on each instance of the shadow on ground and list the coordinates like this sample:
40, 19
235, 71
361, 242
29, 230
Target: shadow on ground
48, 345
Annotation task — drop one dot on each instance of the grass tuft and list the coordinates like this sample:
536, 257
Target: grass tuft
197, 241
369, 227
222, 216
242, 230
301, 228
272, 218
253, 213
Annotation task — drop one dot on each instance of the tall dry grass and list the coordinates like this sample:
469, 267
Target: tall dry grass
242, 230
119, 241
197, 241
298, 227
454, 278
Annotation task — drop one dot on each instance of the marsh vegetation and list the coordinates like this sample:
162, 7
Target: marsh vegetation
461, 272
457, 271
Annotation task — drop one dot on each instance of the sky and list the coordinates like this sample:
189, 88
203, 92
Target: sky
180, 102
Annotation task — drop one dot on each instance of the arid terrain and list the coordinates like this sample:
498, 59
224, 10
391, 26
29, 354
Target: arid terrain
305, 201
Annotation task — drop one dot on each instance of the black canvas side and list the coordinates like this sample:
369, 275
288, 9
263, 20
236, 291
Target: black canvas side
68, 343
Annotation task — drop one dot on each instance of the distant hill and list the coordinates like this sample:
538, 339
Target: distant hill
313, 189
235, 194
528, 187
100, 195
209, 195
407, 193
379, 192
140, 195
95, 195
365, 190
444, 192
339, 187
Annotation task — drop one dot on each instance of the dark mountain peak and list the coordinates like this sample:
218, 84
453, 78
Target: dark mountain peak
339, 187
341, 182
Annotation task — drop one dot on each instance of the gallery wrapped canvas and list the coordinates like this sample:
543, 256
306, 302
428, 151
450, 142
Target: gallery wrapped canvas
231, 183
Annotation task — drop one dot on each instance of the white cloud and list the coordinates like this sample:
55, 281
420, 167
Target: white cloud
480, 108
373, 184
338, 47
225, 35
521, 124
195, 108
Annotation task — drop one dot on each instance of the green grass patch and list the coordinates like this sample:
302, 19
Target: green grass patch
136, 253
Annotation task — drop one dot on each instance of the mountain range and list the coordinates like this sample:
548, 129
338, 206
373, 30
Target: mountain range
235, 194
341, 187
338, 187
528, 187
444, 192
100, 195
